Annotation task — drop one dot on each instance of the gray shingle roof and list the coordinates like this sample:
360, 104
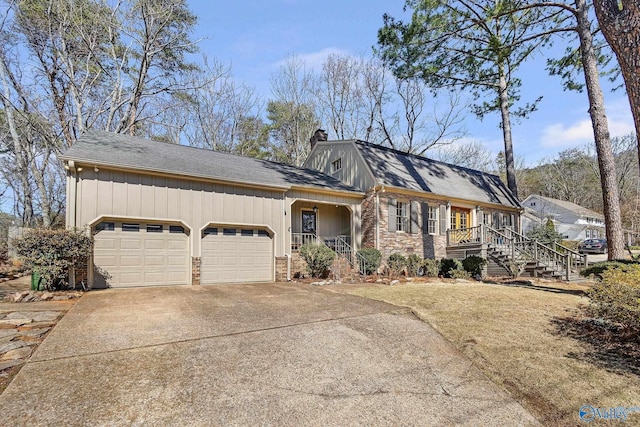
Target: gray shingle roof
570, 206
399, 169
123, 151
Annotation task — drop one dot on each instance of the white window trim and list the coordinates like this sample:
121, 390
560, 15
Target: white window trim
433, 221
336, 165
403, 222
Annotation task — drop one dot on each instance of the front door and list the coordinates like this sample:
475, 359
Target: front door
309, 222
460, 218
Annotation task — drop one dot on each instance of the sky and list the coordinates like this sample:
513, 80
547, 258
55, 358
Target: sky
255, 37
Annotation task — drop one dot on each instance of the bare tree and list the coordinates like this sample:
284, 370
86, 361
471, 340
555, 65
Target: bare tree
68, 65
472, 154
362, 99
338, 95
292, 112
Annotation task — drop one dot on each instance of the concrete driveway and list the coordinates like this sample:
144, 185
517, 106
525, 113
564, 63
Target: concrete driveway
267, 354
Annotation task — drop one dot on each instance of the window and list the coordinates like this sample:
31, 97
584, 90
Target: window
246, 232
210, 231
154, 228
402, 216
176, 229
229, 231
459, 218
336, 165
432, 227
105, 226
532, 204
263, 233
486, 218
131, 227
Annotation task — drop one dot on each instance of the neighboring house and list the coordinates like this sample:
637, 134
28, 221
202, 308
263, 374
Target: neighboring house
164, 214
573, 221
411, 202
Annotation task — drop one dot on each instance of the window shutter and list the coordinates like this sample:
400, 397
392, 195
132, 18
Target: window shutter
415, 225
443, 220
425, 218
392, 215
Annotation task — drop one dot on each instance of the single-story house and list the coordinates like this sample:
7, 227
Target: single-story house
166, 214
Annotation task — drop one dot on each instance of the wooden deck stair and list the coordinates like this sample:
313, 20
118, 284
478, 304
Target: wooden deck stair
520, 256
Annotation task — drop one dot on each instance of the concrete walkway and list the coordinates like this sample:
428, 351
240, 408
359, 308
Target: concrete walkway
268, 354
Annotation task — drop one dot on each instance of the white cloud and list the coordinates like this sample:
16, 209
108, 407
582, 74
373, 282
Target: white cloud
313, 61
560, 135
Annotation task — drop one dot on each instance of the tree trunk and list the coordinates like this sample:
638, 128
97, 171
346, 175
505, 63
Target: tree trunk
606, 161
506, 133
620, 24
20, 151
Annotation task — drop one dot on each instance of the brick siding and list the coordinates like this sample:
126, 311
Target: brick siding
282, 264
195, 270
404, 243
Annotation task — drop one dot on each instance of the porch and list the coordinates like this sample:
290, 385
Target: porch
509, 250
321, 223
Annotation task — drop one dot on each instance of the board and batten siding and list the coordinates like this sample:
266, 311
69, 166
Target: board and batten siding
354, 171
332, 220
121, 194
326, 203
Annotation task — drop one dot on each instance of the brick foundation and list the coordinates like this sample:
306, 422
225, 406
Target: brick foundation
282, 264
81, 275
195, 270
298, 266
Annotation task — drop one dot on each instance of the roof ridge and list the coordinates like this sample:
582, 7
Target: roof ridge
404, 153
146, 140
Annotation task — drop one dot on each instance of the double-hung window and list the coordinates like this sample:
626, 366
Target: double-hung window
402, 216
432, 226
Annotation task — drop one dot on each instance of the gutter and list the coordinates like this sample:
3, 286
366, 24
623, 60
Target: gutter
183, 175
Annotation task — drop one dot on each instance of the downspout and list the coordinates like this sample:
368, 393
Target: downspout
378, 217
72, 223
72, 182
286, 236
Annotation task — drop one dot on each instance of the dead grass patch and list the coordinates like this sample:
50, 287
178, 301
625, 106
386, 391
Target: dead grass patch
531, 339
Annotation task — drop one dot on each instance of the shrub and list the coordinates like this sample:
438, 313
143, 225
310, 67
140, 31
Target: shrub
372, 259
414, 262
473, 264
448, 267
598, 268
460, 274
571, 244
430, 267
318, 257
617, 296
545, 233
396, 263
53, 252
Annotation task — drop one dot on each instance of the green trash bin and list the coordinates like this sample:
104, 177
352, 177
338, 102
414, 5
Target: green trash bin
35, 279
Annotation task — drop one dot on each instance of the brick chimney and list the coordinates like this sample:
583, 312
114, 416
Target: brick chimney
319, 135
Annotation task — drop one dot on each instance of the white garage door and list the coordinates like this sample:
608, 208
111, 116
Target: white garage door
234, 255
140, 254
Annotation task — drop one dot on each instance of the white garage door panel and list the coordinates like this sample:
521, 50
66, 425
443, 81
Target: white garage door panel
141, 258
236, 258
